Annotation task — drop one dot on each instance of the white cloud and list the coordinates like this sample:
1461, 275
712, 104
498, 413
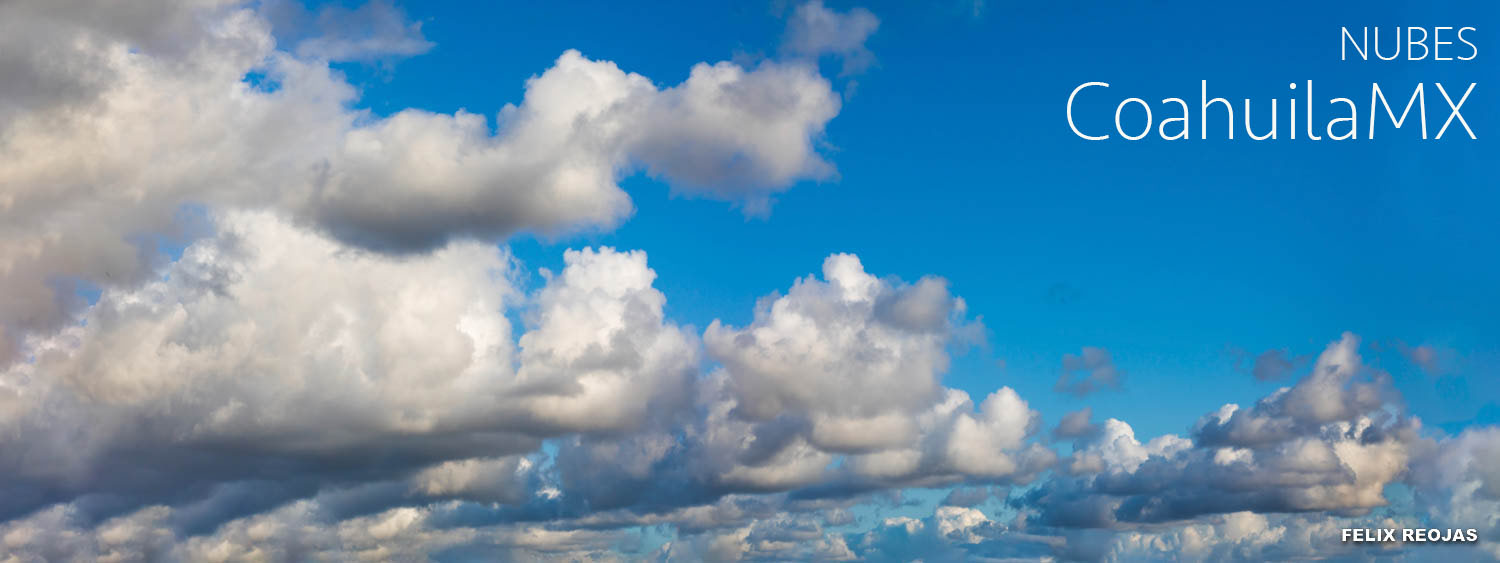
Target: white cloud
269, 347
331, 370
601, 355
149, 125
267, 344
829, 351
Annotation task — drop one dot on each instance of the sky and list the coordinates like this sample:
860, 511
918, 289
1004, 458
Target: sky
736, 281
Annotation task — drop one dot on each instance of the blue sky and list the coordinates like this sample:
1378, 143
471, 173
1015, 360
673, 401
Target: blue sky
376, 322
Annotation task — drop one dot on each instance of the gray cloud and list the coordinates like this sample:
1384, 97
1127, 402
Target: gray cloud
1087, 372
373, 30
1273, 365
1076, 424
1324, 444
814, 31
1431, 359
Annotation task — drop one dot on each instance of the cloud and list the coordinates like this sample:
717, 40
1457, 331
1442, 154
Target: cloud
231, 386
233, 367
1457, 484
852, 365
1272, 365
845, 350
599, 354
1433, 360
220, 367
735, 133
952, 533
371, 31
967, 496
802, 387
383, 413
342, 364
1076, 424
163, 113
1334, 391
1325, 444
1248, 536
1089, 371
814, 31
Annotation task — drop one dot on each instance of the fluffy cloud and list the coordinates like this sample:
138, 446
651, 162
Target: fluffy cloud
233, 366
800, 389
222, 367
847, 351
953, 533
231, 385
1336, 390
380, 413
333, 367
112, 124
600, 354
1458, 484
1325, 444
852, 364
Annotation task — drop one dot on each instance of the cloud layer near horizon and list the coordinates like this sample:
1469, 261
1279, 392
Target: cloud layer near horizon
342, 364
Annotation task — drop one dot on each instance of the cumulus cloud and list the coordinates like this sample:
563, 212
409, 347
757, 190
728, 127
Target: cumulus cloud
1248, 536
849, 350
220, 368
161, 111
600, 354
852, 364
1338, 389
431, 442
230, 386
233, 366
833, 390
339, 363
1325, 444
1457, 484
